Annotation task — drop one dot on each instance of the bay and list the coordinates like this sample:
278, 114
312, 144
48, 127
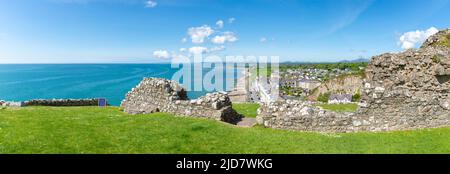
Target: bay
20, 82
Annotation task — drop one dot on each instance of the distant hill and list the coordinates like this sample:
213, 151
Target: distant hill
355, 60
342, 61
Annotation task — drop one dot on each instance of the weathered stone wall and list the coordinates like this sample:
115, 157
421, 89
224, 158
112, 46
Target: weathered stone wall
303, 116
401, 91
52, 102
62, 102
11, 104
161, 95
408, 90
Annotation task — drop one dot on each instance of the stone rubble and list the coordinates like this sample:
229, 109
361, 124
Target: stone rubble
62, 102
51, 102
161, 95
303, 116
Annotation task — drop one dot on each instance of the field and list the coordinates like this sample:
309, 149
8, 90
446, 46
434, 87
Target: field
81, 130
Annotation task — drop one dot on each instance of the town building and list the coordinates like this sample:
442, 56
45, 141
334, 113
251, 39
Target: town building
340, 99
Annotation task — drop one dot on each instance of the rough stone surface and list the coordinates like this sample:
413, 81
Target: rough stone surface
410, 89
52, 102
12, 104
401, 91
161, 95
62, 102
303, 116
437, 39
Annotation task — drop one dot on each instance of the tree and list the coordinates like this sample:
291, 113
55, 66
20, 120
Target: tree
356, 97
324, 97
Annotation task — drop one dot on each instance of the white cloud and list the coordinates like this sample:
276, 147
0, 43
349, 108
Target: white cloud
197, 50
180, 56
263, 39
225, 37
198, 34
184, 40
182, 49
219, 24
231, 20
410, 39
161, 54
151, 4
200, 50
217, 48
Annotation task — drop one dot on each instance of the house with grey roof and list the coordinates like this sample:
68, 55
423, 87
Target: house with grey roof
340, 98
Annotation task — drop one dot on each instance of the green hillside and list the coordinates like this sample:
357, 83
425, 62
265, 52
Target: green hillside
108, 130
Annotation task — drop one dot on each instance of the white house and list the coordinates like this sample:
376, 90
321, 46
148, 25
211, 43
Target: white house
340, 98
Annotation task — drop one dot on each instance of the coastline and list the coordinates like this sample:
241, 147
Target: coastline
26, 82
240, 93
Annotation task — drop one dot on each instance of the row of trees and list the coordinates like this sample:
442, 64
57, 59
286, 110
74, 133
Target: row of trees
353, 66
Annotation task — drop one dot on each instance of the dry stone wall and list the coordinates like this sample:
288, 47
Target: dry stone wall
401, 91
303, 116
62, 102
52, 102
161, 95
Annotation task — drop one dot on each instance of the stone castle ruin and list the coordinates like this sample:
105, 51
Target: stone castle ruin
409, 89
401, 91
303, 116
161, 95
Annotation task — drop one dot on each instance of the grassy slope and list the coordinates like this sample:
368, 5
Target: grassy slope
107, 130
351, 107
246, 109
445, 41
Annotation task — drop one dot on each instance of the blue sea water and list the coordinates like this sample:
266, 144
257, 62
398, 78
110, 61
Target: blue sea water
20, 82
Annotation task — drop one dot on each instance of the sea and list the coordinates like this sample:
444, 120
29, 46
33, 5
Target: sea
21, 82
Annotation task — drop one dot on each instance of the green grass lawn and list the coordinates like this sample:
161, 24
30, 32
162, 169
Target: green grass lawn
351, 107
246, 109
108, 130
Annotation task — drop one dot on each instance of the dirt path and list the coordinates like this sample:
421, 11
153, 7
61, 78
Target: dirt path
247, 122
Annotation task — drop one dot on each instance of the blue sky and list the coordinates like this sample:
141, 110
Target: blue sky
139, 31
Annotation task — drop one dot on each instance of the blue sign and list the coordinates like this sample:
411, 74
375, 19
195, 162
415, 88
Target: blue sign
102, 102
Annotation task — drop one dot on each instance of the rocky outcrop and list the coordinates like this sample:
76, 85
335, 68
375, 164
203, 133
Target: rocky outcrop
52, 102
438, 40
401, 91
161, 95
12, 104
409, 89
346, 84
62, 102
